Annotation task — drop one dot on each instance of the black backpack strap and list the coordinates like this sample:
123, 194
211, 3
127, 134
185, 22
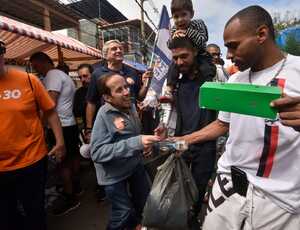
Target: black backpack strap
36, 103
30, 82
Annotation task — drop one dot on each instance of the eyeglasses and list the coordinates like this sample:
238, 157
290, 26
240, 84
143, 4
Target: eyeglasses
2, 48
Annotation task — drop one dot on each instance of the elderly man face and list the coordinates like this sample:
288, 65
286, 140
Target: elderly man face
115, 52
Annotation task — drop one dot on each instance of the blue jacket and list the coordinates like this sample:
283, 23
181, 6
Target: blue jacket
127, 72
116, 144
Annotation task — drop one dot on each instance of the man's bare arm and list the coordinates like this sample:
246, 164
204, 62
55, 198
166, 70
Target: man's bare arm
53, 120
54, 95
146, 78
90, 113
208, 133
142, 92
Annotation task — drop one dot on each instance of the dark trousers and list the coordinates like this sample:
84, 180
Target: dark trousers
26, 187
128, 198
202, 168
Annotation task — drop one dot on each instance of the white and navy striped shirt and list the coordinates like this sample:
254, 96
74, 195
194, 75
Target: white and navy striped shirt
197, 32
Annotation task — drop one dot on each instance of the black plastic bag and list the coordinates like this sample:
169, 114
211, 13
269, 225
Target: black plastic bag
172, 197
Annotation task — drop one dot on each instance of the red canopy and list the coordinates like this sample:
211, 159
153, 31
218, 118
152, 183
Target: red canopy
23, 40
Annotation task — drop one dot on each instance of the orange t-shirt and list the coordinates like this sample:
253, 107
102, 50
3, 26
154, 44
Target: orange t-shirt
22, 140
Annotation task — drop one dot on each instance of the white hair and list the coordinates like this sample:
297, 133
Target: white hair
106, 45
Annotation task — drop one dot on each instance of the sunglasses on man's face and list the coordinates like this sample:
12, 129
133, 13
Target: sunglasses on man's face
2, 48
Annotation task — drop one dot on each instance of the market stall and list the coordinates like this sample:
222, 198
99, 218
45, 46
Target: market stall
23, 40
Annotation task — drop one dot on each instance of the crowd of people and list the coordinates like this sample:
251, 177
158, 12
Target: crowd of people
256, 183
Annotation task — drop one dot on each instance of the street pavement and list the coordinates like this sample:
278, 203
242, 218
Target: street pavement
91, 214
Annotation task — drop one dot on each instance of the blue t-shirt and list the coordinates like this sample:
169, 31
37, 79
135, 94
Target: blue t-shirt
127, 72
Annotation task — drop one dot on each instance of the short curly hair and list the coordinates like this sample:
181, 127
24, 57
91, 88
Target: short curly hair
181, 42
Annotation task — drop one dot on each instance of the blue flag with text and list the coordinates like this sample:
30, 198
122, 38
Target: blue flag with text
162, 54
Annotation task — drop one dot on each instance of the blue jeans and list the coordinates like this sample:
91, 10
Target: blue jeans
128, 198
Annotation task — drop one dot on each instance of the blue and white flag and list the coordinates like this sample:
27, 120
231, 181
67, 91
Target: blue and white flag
162, 55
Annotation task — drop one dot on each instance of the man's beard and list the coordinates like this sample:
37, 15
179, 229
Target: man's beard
185, 69
85, 85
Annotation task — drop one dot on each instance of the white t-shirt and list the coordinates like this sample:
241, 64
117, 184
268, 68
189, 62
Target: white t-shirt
221, 74
57, 80
270, 155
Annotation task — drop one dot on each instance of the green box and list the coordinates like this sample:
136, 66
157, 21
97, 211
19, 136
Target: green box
239, 98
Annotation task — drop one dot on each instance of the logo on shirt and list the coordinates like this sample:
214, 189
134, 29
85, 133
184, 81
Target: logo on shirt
10, 94
119, 123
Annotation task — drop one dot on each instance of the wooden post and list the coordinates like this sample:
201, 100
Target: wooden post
60, 56
53, 11
47, 20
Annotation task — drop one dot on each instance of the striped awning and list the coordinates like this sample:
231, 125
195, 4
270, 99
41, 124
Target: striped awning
23, 40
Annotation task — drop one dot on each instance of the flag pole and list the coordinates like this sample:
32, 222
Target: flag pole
159, 51
156, 39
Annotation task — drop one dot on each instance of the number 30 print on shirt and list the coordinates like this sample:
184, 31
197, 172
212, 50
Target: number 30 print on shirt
10, 94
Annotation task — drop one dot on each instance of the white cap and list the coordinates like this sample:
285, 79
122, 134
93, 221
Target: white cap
85, 151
